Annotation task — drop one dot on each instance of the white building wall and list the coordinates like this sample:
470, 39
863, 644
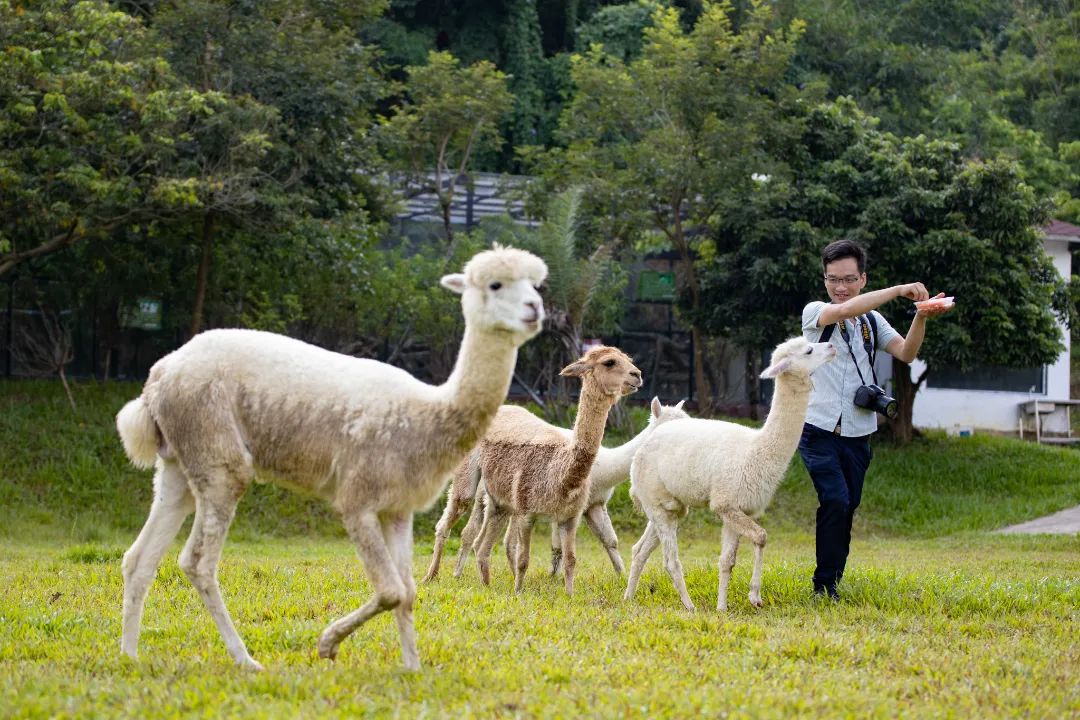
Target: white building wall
994, 410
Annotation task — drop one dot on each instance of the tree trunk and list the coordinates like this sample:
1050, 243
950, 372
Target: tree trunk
901, 426
67, 388
451, 243
702, 391
203, 275
753, 382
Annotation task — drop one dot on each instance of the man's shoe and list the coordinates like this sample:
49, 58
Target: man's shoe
829, 593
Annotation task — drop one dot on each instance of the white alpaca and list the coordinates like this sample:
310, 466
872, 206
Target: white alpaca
731, 468
233, 406
611, 467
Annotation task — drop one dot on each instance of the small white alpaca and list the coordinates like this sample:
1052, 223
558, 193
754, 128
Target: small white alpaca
611, 467
233, 406
731, 468
531, 468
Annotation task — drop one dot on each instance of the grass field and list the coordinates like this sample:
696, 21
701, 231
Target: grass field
940, 618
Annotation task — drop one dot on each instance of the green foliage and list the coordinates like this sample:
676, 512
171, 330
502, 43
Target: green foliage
451, 113
923, 212
965, 71
449, 110
301, 59
619, 29
92, 121
576, 280
523, 66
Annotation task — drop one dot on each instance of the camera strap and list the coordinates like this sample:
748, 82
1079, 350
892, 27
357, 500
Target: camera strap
869, 333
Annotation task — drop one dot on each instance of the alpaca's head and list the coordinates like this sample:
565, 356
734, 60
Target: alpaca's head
608, 369
798, 357
660, 414
499, 292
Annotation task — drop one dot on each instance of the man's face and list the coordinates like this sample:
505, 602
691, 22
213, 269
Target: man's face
843, 280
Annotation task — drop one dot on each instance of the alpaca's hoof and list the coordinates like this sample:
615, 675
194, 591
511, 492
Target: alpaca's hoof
757, 601
327, 649
252, 665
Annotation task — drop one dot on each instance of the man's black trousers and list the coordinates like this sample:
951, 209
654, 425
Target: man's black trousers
837, 465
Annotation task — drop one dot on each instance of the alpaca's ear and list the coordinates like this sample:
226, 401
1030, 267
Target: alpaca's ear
774, 370
575, 369
655, 407
454, 282
678, 405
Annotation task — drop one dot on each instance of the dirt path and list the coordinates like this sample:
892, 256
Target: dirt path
1065, 522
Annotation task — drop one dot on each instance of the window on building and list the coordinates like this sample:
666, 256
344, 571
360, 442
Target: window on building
990, 378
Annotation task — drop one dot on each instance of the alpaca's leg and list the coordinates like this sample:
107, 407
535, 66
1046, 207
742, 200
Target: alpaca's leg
216, 496
494, 521
524, 530
745, 526
556, 549
599, 522
173, 502
568, 531
728, 548
469, 534
366, 532
397, 532
455, 508
643, 548
510, 545
667, 527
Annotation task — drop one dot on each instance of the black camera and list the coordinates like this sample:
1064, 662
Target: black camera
872, 397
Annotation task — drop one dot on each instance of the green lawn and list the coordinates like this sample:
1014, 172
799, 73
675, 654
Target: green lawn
940, 618
976, 626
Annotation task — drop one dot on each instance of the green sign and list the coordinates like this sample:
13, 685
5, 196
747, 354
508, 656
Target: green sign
656, 286
145, 315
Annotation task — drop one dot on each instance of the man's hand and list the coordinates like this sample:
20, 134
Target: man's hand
915, 291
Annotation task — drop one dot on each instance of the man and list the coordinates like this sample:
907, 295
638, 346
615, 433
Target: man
835, 444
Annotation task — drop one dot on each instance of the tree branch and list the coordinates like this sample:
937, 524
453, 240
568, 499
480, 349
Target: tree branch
9, 261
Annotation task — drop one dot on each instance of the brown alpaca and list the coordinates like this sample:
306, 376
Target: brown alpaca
531, 468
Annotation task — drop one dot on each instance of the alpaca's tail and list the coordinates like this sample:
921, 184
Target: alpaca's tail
138, 432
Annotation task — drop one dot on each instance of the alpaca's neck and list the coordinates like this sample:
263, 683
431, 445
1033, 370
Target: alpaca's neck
593, 408
479, 383
612, 465
778, 438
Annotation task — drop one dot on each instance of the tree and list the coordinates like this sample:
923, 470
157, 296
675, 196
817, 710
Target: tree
924, 212
449, 112
663, 141
975, 233
90, 119
302, 89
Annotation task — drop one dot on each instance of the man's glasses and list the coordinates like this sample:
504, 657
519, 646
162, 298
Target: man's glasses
846, 280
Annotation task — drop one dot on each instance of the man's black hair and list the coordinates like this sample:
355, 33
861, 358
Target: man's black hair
844, 248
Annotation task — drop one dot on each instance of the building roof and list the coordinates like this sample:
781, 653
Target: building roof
477, 195
1061, 230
